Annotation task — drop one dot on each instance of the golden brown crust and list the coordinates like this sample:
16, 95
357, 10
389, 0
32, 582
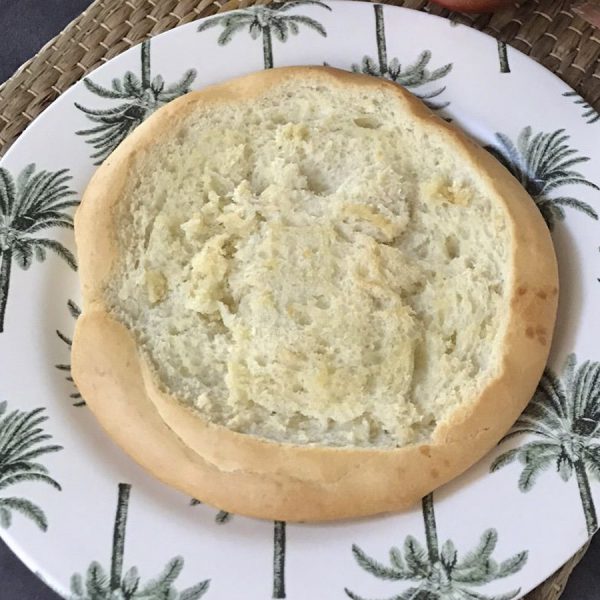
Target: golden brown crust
256, 477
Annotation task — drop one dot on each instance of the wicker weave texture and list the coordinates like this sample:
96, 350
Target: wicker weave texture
547, 30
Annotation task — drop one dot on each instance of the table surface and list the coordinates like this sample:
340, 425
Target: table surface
25, 25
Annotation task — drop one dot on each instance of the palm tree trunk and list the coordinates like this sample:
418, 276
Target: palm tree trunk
431, 538
589, 510
503, 57
267, 49
4, 283
279, 559
380, 35
146, 75
118, 549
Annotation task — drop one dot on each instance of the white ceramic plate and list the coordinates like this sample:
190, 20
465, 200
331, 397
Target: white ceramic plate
94, 526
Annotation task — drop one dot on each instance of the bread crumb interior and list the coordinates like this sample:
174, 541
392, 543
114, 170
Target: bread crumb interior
313, 267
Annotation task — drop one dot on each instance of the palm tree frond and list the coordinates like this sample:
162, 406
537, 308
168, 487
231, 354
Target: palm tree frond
7, 192
48, 223
180, 87
131, 581
21, 435
195, 592
449, 555
57, 248
35, 453
508, 154
280, 29
374, 567
27, 477
214, 21
589, 114
230, 30
564, 467
77, 585
439, 72
579, 205
114, 133
19, 423
585, 389
23, 255
367, 66
504, 459
223, 517
157, 85
352, 595
308, 22
132, 85
466, 594
511, 565
536, 450
26, 508
165, 580
396, 559
429, 95
552, 393
483, 551
98, 90
41, 191
5, 517
415, 555
531, 472
506, 596
74, 310
285, 6
540, 415
97, 581
409, 594
106, 116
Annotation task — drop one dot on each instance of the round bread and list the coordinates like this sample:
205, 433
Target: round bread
306, 297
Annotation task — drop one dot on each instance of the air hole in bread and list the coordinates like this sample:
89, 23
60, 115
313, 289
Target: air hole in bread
452, 247
322, 302
367, 122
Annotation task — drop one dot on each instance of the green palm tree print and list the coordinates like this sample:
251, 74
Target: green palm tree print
75, 311
221, 517
31, 204
22, 441
503, 57
267, 22
99, 585
543, 162
437, 573
279, 549
139, 96
412, 77
589, 113
564, 419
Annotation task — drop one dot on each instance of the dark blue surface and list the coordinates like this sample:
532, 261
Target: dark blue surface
25, 26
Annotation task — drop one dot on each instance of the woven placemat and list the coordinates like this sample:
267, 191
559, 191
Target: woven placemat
547, 30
